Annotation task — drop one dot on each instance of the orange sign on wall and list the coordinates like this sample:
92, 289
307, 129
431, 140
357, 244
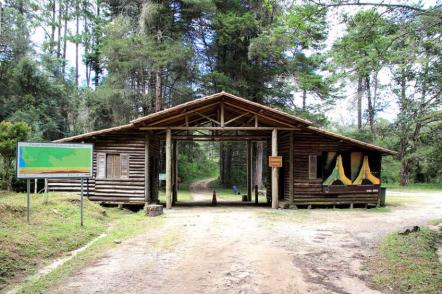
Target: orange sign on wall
275, 161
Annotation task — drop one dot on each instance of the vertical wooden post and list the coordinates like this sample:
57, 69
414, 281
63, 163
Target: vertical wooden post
28, 200
174, 172
249, 171
147, 183
222, 115
35, 186
291, 170
168, 169
275, 171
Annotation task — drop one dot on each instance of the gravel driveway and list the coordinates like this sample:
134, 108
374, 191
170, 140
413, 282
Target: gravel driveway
249, 250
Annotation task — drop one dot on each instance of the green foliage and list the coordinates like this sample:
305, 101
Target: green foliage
408, 263
10, 134
194, 163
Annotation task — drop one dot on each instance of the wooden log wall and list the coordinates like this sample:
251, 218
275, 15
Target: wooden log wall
118, 190
310, 191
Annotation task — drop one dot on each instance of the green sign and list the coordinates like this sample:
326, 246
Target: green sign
51, 160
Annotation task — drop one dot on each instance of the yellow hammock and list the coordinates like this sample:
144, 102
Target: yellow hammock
338, 174
365, 174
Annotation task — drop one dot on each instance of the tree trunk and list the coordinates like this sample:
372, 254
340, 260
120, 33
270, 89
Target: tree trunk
405, 173
359, 102
60, 14
158, 100
52, 41
370, 104
65, 29
258, 164
86, 42
304, 99
77, 32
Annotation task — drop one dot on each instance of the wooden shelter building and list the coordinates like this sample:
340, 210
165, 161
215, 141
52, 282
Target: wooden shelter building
318, 167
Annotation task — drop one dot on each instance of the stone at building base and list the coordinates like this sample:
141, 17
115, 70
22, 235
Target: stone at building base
153, 210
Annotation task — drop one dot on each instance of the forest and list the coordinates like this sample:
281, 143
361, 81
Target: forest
73, 66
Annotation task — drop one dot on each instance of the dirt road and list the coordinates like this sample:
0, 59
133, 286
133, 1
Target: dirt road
249, 250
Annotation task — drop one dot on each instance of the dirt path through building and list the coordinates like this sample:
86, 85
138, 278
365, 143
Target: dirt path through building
249, 250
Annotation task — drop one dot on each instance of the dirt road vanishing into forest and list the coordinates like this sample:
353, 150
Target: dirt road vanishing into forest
249, 250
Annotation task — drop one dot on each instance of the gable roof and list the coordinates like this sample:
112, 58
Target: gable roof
273, 115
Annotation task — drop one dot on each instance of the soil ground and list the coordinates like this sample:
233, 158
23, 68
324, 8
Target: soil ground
250, 250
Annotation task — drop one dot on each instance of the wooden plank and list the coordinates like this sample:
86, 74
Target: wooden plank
218, 128
146, 169
169, 169
236, 118
275, 171
249, 171
222, 114
291, 168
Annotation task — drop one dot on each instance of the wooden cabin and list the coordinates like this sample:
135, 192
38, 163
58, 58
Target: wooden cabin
318, 167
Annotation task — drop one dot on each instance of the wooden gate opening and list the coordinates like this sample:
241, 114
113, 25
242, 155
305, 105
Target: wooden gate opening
241, 176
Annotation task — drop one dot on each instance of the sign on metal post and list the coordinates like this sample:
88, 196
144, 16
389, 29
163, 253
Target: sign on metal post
54, 160
275, 161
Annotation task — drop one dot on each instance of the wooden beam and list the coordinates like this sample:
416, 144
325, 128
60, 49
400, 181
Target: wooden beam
291, 169
256, 120
218, 128
222, 114
275, 171
146, 169
174, 172
208, 118
249, 171
183, 114
261, 115
168, 169
235, 118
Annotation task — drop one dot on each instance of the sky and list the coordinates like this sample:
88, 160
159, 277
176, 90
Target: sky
344, 112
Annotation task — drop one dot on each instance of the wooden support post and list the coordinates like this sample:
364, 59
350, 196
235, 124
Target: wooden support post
35, 186
256, 194
291, 170
249, 171
168, 169
222, 115
174, 173
147, 183
275, 171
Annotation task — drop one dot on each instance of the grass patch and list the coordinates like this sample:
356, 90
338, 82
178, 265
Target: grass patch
122, 228
408, 263
184, 195
393, 200
298, 215
414, 187
54, 230
227, 194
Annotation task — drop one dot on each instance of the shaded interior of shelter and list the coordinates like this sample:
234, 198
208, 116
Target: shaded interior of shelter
239, 165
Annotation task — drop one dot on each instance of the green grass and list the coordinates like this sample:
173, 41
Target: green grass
227, 193
184, 195
414, 187
54, 230
408, 263
297, 216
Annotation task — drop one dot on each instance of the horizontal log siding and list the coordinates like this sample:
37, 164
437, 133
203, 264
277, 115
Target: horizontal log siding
113, 190
309, 191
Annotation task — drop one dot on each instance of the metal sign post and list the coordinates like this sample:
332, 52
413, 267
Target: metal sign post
81, 202
28, 200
